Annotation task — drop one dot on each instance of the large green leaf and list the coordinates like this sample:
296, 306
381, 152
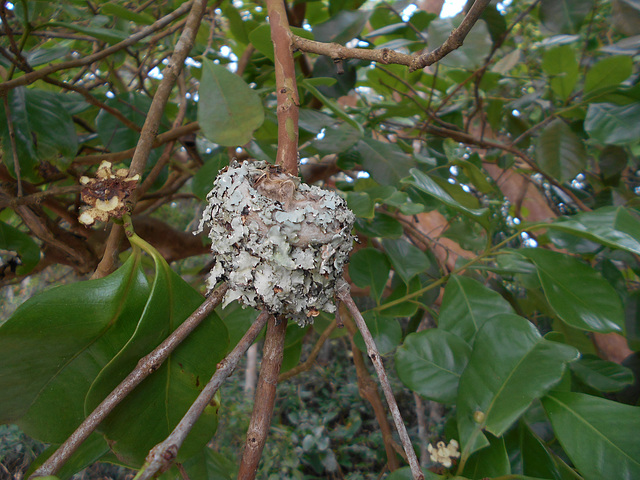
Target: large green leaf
561, 153
601, 374
538, 460
576, 292
431, 362
386, 333
599, 436
370, 268
407, 259
611, 124
608, 72
562, 67
615, 227
115, 135
229, 111
467, 305
27, 252
471, 55
489, 462
386, 162
510, 366
564, 16
108, 35
44, 131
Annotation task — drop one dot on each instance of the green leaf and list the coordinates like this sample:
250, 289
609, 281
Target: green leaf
538, 460
108, 35
564, 16
40, 56
471, 55
431, 362
608, 72
408, 260
427, 185
236, 25
467, 305
510, 366
598, 435
261, 38
229, 111
112, 132
156, 406
119, 11
292, 346
610, 124
370, 268
382, 225
386, 333
561, 153
601, 374
342, 27
576, 292
386, 162
615, 227
209, 465
361, 204
44, 132
27, 252
202, 182
561, 65
489, 462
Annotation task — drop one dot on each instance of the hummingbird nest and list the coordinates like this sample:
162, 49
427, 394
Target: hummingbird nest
280, 244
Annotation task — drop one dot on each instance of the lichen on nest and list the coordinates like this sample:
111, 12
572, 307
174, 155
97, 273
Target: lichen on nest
280, 244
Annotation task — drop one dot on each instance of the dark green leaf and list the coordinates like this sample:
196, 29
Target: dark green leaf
564, 16
229, 111
601, 374
489, 462
27, 252
114, 134
510, 366
612, 162
608, 72
408, 260
561, 153
431, 362
467, 305
342, 27
361, 204
611, 124
382, 225
370, 268
386, 162
538, 460
202, 182
562, 67
386, 332
119, 11
598, 435
471, 55
40, 56
44, 131
108, 35
577, 292
337, 138
261, 38
236, 25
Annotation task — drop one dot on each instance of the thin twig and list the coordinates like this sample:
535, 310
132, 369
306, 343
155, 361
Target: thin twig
147, 365
343, 293
14, 145
162, 455
265, 398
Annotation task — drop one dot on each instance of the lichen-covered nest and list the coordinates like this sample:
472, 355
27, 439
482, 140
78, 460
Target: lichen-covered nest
280, 244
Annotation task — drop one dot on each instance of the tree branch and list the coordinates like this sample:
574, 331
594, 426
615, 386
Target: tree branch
146, 366
162, 455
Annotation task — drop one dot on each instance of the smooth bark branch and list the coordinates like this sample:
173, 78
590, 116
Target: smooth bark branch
162, 455
264, 399
286, 88
146, 366
29, 78
343, 293
386, 56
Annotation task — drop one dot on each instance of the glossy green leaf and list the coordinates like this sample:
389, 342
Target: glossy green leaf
156, 406
489, 462
229, 111
113, 133
342, 27
361, 204
44, 132
430, 363
510, 366
467, 305
471, 55
236, 25
576, 292
19, 248
427, 185
386, 162
608, 72
598, 435
382, 225
386, 333
40, 56
601, 374
209, 465
562, 67
615, 227
404, 473
370, 268
292, 346
407, 259
337, 138
405, 308
108, 35
561, 153
119, 11
611, 124
538, 460
564, 16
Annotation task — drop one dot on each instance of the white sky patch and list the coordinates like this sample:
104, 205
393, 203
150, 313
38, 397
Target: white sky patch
155, 73
451, 8
363, 174
407, 12
190, 62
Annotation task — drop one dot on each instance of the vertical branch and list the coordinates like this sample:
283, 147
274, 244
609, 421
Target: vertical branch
12, 140
286, 88
344, 295
264, 399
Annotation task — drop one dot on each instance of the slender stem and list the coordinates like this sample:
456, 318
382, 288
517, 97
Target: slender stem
343, 293
144, 368
162, 455
264, 399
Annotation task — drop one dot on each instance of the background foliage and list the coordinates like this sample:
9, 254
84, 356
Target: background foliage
496, 195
